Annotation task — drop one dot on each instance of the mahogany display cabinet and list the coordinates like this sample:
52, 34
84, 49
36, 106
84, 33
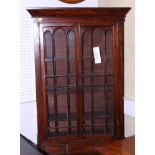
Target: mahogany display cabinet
80, 90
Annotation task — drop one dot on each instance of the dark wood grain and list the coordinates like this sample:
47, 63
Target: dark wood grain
77, 12
38, 83
121, 78
119, 147
79, 103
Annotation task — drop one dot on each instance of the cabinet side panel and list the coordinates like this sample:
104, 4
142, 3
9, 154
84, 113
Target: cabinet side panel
118, 49
121, 78
38, 79
115, 67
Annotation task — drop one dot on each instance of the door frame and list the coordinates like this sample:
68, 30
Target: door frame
118, 55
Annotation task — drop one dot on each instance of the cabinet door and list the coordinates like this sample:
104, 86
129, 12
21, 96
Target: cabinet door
59, 78
97, 80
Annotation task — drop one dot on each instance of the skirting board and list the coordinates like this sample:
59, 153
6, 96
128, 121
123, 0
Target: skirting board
129, 107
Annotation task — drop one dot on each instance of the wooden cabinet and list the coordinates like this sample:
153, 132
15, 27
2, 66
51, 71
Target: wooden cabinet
79, 101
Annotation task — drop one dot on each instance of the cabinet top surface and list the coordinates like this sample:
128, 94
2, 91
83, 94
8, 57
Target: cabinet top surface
78, 12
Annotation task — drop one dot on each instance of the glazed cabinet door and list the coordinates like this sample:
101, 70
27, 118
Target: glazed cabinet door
58, 67
97, 81
79, 93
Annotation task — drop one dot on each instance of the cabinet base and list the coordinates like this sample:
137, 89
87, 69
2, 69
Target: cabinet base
86, 146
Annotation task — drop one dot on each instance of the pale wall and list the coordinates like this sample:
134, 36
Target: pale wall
129, 60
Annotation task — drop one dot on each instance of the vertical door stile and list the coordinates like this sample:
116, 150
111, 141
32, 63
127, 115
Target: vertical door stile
92, 82
45, 124
115, 64
121, 79
68, 79
105, 71
81, 93
77, 78
54, 84
44, 46
38, 83
82, 77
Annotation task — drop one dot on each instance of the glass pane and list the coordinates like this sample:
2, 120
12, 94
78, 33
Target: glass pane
87, 68
72, 67
49, 82
109, 52
99, 40
62, 107
73, 115
109, 79
50, 104
99, 106
99, 80
87, 80
63, 129
60, 43
51, 114
99, 68
71, 44
109, 65
72, 80
61, 68
61, 81
73, 127
99, 111
51, 128
73, 106
86, 45
87, 105
109, 103
49, 68
48, 44
109, 111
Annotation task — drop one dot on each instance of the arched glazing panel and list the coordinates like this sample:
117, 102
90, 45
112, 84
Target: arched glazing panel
48, 44
99, 41
98, 35
48, 52
60, 57
71, 44
48, 55
87, 47
71, 51
109, 52
60, 54
86, 81
48, 49
60, 43
87, 56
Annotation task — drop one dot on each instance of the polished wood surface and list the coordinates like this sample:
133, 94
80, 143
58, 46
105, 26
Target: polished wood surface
78, 12
79, 103
119, 147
